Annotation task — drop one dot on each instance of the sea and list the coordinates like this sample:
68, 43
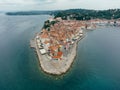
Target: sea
96, 66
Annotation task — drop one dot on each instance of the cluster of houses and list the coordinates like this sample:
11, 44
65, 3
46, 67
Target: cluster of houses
56, 41
104, 22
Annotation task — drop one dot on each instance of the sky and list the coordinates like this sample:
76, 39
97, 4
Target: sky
20, 5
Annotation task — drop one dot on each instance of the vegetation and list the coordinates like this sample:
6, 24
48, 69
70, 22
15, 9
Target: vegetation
78, 14
83, 14
31, 13
48, 23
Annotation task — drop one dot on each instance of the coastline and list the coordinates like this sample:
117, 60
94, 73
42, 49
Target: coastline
52, 67
56, 44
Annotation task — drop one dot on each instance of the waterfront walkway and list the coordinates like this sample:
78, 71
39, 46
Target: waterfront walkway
56, 67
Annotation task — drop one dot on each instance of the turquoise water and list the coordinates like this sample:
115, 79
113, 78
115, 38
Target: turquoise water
96, 66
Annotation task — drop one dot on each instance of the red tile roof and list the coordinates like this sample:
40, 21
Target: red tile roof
59, 55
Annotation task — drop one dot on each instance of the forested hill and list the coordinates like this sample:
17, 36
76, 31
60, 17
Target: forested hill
78, 14
84, 14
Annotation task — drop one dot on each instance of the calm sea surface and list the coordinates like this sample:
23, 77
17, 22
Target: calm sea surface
96, 67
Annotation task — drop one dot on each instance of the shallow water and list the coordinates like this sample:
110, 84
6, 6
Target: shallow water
96, 66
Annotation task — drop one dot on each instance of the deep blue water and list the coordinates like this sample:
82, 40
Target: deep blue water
96, 67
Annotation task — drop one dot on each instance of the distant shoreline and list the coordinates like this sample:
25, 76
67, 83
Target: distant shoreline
76, 14
30, 13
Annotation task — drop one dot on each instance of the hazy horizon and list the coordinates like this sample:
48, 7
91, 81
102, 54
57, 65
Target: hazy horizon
28, 5
52, 10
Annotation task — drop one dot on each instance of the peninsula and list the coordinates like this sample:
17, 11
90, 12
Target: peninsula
56, 44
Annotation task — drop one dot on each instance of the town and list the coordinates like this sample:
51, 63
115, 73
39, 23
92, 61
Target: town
56, 43
60, 36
